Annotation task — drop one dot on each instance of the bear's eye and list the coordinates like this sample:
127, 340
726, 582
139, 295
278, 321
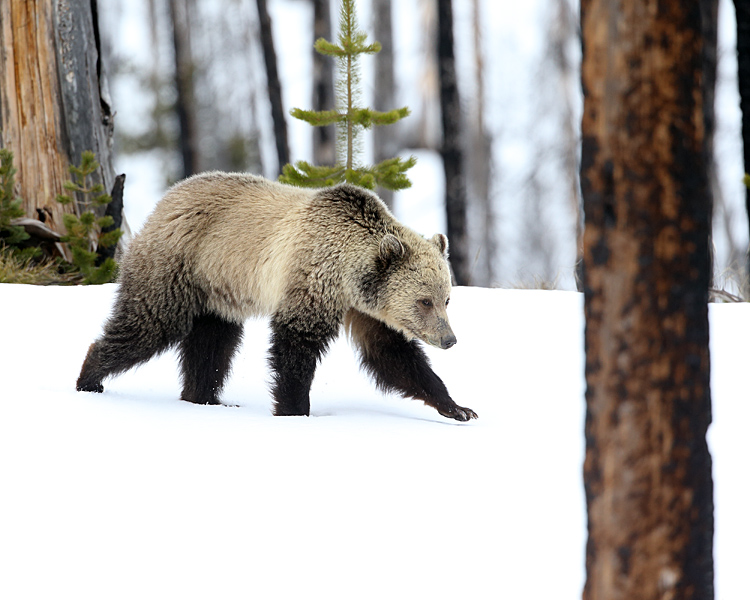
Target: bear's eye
427, 303
446, 302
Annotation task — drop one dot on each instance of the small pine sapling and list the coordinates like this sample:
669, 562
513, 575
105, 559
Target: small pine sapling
10, 206
349, 119
85, 233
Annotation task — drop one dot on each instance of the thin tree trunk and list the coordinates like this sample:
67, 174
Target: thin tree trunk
742, 10
479, 166
184, 70
384, 140
647, 204
455, 186
324, 138
53, 104
274, 86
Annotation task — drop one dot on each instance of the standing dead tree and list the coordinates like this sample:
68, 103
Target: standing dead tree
451, 151
53, 104
184, 70
384, 140
645, 180
274, 85
324, 138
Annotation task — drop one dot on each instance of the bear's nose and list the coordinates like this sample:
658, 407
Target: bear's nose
448, 341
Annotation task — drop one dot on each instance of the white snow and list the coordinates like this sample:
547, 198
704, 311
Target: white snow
133, 494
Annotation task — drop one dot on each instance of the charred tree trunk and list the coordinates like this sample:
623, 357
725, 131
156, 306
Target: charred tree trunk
450, 108
53, 101
274, 86
742, 10
184, 68
647, 203
384, 141
324, 138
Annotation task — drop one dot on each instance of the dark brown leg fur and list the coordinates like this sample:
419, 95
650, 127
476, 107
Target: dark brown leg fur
293, 358
398, 365
87, 380
206, 356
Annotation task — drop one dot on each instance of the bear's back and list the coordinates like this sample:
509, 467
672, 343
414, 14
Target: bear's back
243, 240
228, 233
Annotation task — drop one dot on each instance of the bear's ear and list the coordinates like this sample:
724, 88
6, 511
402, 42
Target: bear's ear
441, 243
391, 248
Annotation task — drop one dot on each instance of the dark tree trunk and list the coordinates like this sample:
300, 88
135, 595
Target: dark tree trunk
645, 182
384, 140
53, 100
274, 86
742, 10
324, 138
455, 185
184, 79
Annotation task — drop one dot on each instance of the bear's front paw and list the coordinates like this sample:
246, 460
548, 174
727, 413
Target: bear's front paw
459, 413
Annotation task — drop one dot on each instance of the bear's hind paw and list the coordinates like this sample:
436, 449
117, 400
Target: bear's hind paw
89, 387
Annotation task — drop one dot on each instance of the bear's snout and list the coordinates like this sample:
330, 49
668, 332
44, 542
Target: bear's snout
448, 341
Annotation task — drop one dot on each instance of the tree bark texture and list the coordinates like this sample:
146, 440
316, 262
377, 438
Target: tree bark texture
53, 105
274, 85
645, 183
324, 138
452, 154
742, 10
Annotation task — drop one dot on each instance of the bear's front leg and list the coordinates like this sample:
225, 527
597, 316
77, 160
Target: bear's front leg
297, 344
399, 365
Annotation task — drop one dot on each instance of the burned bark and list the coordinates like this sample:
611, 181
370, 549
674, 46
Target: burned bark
645, 183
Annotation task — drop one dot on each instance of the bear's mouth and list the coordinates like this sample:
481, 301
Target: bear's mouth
425, 339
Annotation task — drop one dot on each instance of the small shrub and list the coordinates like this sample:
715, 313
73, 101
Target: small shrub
86, 233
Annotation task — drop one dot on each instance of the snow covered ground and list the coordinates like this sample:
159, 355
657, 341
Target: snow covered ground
133, 494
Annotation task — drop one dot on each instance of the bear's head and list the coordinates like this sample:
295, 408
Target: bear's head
416, 287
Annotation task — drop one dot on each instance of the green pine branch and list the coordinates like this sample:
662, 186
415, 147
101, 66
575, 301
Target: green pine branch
389, 174
318, 118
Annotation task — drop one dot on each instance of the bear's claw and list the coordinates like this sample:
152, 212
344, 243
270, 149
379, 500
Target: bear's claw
459, 413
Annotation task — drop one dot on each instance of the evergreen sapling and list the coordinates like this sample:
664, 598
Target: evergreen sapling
349, 119
10, 206
84, 233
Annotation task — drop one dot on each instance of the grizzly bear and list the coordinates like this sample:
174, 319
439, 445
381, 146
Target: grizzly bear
222, 247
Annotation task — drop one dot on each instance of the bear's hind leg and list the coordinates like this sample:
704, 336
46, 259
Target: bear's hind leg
127, 342
398, 365
206, 356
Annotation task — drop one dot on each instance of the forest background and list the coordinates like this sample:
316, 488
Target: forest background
518, 68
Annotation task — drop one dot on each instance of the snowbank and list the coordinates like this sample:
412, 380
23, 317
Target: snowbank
133, 494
